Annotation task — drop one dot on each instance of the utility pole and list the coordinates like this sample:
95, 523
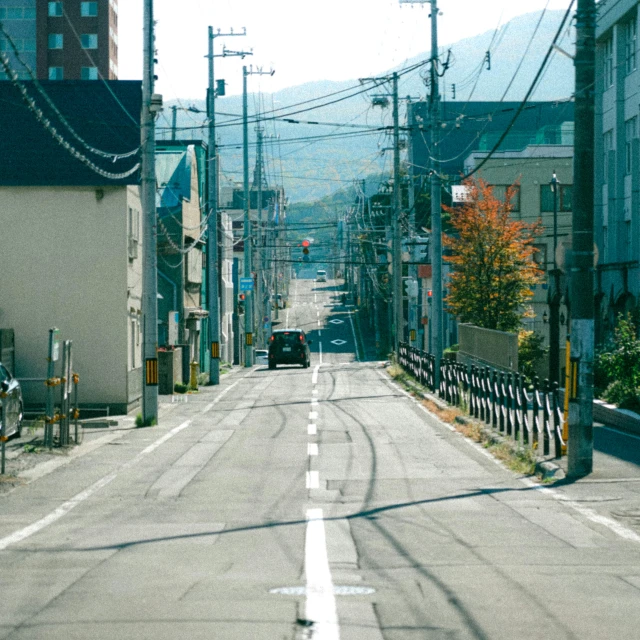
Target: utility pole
395, 226
150, 105
554, 295
261, 243
174, 121
413, 267
580, 450
436, 209
248, 235
213, 280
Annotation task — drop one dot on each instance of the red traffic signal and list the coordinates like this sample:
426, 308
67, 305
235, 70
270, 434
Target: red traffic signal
305, 243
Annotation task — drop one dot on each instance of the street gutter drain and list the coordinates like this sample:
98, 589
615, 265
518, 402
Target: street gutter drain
338, 590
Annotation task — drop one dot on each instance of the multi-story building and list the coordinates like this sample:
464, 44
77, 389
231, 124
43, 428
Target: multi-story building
64, 40
617, 164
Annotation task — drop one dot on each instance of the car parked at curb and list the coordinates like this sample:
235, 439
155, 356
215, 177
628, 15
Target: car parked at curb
289, 346
11, 404
262, 356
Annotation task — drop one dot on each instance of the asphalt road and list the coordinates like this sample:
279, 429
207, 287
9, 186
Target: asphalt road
317, 503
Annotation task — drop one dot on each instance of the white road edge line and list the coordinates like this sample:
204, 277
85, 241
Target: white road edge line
72, 503
321, 602
320, 343
314, 378
590, 514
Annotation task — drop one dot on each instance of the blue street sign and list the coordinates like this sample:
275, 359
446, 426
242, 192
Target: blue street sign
246, 284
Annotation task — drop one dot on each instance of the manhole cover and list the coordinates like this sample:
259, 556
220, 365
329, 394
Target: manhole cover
338, 590
338, 342
336, 321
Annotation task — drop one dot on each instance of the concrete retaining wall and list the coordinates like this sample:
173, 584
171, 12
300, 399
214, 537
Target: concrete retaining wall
486, 347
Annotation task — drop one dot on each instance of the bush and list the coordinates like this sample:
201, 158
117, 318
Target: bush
621, 366
530, 352
140, 422
179, 387
451, 353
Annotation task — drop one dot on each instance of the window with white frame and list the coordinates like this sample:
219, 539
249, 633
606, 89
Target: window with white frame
607, 54
630, 133
89, 40
630, 43
56, 41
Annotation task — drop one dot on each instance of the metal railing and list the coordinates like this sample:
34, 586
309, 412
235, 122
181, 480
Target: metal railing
529, 411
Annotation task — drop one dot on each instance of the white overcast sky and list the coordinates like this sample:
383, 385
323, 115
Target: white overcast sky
302, 40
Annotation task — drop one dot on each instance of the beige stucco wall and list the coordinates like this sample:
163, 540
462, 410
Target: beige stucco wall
64, 263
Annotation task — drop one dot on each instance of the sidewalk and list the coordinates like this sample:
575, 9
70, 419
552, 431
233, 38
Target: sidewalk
26, 458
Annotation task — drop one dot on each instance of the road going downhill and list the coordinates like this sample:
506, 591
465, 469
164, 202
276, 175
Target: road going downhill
306, 504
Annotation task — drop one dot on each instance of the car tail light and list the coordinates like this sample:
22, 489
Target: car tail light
301, 338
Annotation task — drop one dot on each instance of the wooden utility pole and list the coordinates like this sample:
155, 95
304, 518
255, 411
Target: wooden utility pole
580, 451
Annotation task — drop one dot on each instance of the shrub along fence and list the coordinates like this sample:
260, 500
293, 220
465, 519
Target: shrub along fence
529, 411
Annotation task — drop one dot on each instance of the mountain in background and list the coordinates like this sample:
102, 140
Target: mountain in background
350, 147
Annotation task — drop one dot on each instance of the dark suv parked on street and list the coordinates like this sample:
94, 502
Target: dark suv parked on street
289, 346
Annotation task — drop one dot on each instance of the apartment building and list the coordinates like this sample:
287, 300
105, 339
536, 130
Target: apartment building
63, 40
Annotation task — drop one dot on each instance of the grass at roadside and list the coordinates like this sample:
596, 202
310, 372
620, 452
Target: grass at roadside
519, 459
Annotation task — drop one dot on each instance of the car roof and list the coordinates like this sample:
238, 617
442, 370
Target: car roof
287, 331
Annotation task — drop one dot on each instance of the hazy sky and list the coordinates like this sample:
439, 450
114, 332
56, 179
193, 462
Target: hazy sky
303, 41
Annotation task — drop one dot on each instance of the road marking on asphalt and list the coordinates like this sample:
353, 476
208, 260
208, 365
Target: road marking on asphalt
314, 392
312, 449
314, 378
313, 415
321, 602
79, 498
320, 343
313, 480
312, 429
590, 514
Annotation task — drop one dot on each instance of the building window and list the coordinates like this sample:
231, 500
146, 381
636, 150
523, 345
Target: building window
56, 73
88, 9
89, 40
89, 73
564, 200
630, 43
55, 9
500, 192
630, 133
55, 41
607, 147
607, 51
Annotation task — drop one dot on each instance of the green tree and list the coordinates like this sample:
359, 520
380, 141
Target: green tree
491, 259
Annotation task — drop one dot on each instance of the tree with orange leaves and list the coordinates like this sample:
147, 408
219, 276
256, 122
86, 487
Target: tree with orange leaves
491, 258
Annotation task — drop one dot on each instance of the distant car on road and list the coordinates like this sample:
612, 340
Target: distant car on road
262, 356
11, 404
289, 346
321, 275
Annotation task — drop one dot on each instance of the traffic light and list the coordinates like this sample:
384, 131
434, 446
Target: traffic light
241, 299
422, 249
411, 287
305, 250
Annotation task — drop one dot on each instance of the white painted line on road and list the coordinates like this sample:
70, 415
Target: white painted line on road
313, 480
312, 449
321, 601
72, 503
353, 330
315, 297
314, 392
313, 415
319, 333
314, 402
318, 314
314, 378
319, 324
312, 429
320, 343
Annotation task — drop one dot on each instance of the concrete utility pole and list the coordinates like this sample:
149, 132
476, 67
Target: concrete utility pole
213, 276
580, 450
150, 105
261, 243
174, 121
554, 294
398, 320
248, 235
413, 267
436, 209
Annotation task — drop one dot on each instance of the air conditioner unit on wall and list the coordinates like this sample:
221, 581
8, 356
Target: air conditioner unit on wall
133, 248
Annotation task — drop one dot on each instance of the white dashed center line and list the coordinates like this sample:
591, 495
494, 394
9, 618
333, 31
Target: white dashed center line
312, 449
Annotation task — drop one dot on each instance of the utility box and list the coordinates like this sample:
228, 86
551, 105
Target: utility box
169, 370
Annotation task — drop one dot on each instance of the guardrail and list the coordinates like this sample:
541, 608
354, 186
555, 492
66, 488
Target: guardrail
529, 411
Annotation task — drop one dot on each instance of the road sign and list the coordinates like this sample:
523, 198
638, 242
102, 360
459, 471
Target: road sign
246, 284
